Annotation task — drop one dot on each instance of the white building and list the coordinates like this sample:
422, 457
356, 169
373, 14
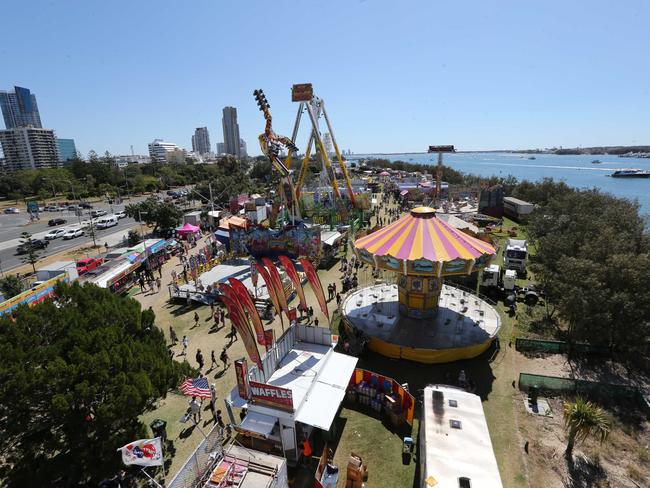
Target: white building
455, 446
29, 148
159, 150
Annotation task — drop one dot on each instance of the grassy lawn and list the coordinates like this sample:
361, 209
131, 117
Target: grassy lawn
380, 449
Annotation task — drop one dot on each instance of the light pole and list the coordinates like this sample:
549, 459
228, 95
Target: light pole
140, 220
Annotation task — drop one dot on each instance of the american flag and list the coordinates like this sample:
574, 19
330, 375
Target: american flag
197, 387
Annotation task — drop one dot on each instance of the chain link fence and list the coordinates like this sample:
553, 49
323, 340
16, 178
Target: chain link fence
201, 462
523, 344
590, 389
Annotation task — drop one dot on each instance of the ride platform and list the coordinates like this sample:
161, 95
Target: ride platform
463, 326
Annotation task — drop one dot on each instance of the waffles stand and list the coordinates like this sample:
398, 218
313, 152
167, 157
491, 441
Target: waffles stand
298, 391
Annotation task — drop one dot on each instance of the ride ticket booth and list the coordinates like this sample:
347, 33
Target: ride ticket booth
299, 391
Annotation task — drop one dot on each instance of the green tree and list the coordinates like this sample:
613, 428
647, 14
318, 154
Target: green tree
133, 237
76, 374
584, 419
11, 285
161, 215
32, 255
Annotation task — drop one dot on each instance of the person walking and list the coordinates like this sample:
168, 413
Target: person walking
196, 319
215, 317
310, 313
224, 358
185, 343
213, 400
158, 283
213, 360
316, 322
220, 423
195, 409
199, 359
223, 317
141, 282
172, 335
338, 299
233, 334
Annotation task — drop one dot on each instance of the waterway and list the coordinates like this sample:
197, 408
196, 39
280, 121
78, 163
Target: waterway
576, 171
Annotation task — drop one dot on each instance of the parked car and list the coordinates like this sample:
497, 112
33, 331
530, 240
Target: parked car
98, 213
35, 244
12, 210
86, 205
121, 214
51, 208
86, 264
53, 222
72, 233
54, 234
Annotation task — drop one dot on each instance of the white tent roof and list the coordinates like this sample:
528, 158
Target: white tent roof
451, 453
259, 423
324, 398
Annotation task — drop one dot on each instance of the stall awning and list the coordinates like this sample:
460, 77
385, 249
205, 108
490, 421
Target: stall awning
330, 238
325, 396
259, 423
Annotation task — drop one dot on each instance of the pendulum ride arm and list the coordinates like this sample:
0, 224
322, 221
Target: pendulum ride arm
344, 170
271, 143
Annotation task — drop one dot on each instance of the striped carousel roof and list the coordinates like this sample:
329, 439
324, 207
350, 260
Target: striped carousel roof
421, 235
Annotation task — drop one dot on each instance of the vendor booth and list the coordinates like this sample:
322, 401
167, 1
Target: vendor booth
188, 231
120, 277
299, 389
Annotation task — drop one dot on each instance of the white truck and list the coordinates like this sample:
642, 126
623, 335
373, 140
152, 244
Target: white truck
504, 285
515, 254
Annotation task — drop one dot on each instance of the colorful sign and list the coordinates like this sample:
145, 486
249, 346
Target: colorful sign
260, 241
272, 396
241, 372
36, 295
143, 452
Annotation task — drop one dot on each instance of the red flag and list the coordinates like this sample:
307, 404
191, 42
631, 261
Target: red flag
290, 269
314, 281
277, 283
269, 334
271, 289
247, 301
234, 297
244, 331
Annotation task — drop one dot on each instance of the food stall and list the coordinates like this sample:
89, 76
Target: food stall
298, 390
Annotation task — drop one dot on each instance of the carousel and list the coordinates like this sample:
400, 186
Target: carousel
420, 317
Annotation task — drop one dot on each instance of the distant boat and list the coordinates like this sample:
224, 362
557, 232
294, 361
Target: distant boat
532, 157
630, 173
596, 161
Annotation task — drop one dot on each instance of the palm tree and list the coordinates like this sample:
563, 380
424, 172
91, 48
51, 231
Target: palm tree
583, 419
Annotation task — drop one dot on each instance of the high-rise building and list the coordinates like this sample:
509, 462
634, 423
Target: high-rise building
201, 141
67, 149
242, 148
160, 151
19, 108
231, 131
221, 148
29, 148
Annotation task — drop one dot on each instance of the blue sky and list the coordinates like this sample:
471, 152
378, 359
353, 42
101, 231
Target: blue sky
396, 75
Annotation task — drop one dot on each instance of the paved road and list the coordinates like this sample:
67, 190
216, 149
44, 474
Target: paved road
11, 226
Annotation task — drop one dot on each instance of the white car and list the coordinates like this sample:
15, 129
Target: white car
72, 233
120, 215
55, 234
98, 213
12, 210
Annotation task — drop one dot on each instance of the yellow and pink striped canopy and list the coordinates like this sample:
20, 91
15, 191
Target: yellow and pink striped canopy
422, 236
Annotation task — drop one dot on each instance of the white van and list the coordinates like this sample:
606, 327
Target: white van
106, 222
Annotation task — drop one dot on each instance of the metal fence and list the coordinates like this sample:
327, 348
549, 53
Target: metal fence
559, 347
591, 389
201, 462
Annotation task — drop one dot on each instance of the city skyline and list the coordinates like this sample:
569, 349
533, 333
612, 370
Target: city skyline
501, 77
